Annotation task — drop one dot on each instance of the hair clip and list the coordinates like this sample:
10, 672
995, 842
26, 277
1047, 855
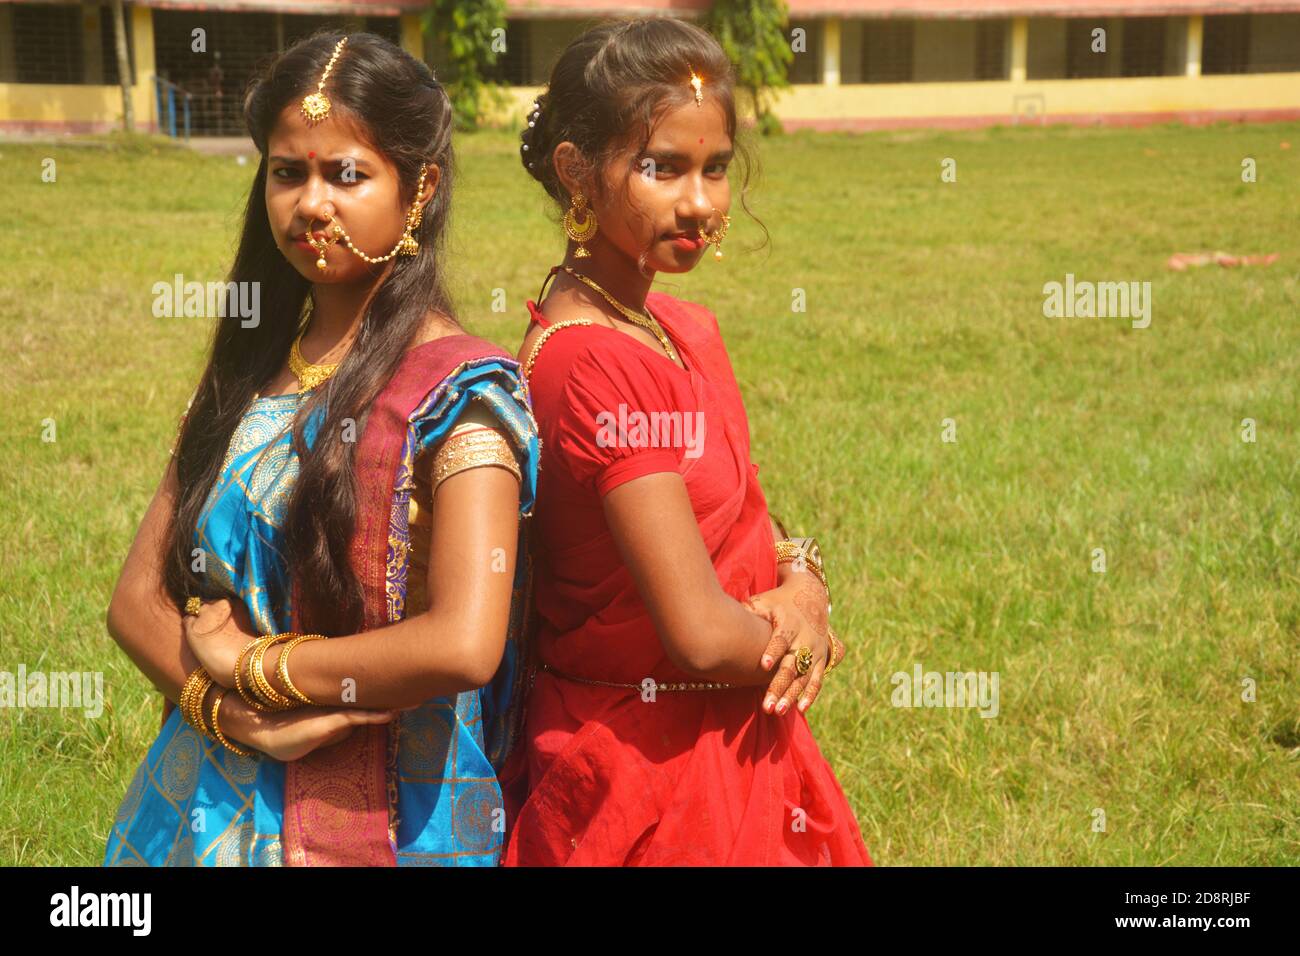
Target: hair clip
316, 106
697, 84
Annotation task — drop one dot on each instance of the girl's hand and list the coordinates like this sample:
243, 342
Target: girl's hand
291, 735
216, 636
797, 612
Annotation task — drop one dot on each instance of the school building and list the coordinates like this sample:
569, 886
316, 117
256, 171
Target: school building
858, 64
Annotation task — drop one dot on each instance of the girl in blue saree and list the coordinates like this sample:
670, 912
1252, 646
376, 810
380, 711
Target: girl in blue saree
373, 495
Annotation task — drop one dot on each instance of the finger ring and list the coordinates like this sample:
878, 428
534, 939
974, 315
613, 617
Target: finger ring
192, 606
803, 660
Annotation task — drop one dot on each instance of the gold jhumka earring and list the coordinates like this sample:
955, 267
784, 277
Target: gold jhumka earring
580, 224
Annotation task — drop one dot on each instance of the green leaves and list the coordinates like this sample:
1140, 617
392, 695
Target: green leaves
472, 35
753, 35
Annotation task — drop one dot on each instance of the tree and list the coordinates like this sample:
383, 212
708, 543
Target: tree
472, 33
123, 66
753, 35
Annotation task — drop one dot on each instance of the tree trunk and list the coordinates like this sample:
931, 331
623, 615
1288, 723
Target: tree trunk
123, 66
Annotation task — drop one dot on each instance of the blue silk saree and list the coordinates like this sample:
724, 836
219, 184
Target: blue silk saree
192, 802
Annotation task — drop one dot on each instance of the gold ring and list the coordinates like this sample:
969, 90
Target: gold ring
803, 660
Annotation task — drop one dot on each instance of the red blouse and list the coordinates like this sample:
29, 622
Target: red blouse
694, 777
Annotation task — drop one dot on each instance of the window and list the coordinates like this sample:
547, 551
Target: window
1225, 47
48, 44
991, 49
806, 65
1080, 60
887, 51
1144, 46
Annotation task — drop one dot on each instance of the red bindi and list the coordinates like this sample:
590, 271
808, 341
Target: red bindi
701, 140
311, 153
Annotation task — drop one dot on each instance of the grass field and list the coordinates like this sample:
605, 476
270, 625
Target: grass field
1120, 691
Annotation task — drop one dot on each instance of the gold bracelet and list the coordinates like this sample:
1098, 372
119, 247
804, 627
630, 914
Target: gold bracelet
255, 691
832, 663
216, 728
268, 693
196, 686
282, 666
246, 693
805, 551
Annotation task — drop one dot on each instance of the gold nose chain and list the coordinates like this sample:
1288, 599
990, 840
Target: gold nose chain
316, 107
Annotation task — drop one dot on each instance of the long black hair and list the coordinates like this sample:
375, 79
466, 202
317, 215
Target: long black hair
405, 115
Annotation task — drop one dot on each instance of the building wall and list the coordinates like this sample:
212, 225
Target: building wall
935, 61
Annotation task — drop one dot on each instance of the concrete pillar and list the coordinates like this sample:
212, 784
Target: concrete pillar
146, 103
1195, 33
831, 43
1019, 48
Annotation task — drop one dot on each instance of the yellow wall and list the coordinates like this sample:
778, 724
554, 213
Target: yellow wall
95, 108
99, 107
1257, 91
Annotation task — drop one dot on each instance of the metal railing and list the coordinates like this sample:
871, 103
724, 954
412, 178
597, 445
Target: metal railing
167, 114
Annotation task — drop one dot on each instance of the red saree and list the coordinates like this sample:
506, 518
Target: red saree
694, 778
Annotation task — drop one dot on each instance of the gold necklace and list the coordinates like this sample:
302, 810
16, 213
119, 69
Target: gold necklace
308, 375
646, 322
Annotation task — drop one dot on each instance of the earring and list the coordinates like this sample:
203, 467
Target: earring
580, 223
716, 237
409, 245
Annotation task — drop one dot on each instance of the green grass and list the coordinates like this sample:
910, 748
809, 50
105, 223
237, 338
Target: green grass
1119, 691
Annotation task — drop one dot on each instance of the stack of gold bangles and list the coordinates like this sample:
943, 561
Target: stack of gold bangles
807, 553
192, 694
251, 683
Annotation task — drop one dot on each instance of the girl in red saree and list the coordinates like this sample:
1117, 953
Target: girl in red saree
678, 652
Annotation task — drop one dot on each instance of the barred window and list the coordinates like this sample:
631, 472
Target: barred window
1144, 46
47, 43
806, 66
991, 49
1225, 46
887, 51
1080, 60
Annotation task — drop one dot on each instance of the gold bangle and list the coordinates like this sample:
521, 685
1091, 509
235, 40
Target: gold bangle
191, 702
255, 691
216, 728
282, 666
272, 696
246, 693
789, 550
193, 605
832, 663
